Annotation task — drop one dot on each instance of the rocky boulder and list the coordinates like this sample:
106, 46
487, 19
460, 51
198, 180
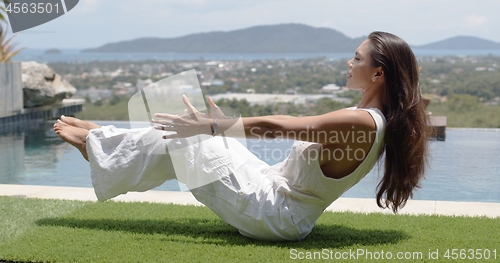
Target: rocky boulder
43, 86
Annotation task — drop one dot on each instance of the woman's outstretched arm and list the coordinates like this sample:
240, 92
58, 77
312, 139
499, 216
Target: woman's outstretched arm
341, 124
326, 128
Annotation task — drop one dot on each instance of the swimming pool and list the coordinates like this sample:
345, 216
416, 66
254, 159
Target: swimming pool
465, 167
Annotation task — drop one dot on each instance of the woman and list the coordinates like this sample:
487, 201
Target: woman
280, 202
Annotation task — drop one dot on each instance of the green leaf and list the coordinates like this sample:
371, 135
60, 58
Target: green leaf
7, 49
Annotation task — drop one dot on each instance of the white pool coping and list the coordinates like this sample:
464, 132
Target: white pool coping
359, 205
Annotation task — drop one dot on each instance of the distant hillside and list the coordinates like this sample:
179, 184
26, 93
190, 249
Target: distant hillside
285, 38
461, 43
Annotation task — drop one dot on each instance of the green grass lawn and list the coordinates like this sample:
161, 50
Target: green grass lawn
74, 231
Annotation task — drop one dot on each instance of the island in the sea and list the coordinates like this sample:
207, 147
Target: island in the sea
52, 51
282, 38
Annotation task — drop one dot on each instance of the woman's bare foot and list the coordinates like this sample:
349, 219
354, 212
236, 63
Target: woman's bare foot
79, 123
73, 135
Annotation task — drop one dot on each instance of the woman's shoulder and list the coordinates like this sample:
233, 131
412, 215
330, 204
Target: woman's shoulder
370, 115
352, 116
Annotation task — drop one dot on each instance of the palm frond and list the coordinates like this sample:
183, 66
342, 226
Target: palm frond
3, 12
2, 17
7, 48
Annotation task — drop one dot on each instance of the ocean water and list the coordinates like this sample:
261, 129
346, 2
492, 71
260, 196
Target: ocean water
465, 167
74, 55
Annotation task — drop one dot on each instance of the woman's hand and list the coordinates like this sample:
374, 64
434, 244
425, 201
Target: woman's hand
215, 111
190, 124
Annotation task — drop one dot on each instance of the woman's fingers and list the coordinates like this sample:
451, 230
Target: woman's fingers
191, 110
171, 136
211, 103
165, 116
215, 110
165, 122
164, 128
189, 107
184, 126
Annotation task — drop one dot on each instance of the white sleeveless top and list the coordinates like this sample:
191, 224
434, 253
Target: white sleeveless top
308, 191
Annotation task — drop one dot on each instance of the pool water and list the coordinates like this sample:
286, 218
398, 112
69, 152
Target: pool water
465, 167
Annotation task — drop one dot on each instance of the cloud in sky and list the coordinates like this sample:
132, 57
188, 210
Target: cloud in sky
474, 21
93, 23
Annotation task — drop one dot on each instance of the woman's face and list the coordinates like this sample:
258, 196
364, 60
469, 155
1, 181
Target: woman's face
361, 72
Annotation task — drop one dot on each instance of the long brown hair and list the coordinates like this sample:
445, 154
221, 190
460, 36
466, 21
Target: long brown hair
407, 131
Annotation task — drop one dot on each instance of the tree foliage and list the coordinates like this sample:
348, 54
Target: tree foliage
7, 48
465, 89
472, 76
462, 102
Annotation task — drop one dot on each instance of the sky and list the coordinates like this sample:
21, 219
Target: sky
93, 23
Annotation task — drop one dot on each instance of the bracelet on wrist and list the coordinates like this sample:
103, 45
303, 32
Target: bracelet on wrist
213, 126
